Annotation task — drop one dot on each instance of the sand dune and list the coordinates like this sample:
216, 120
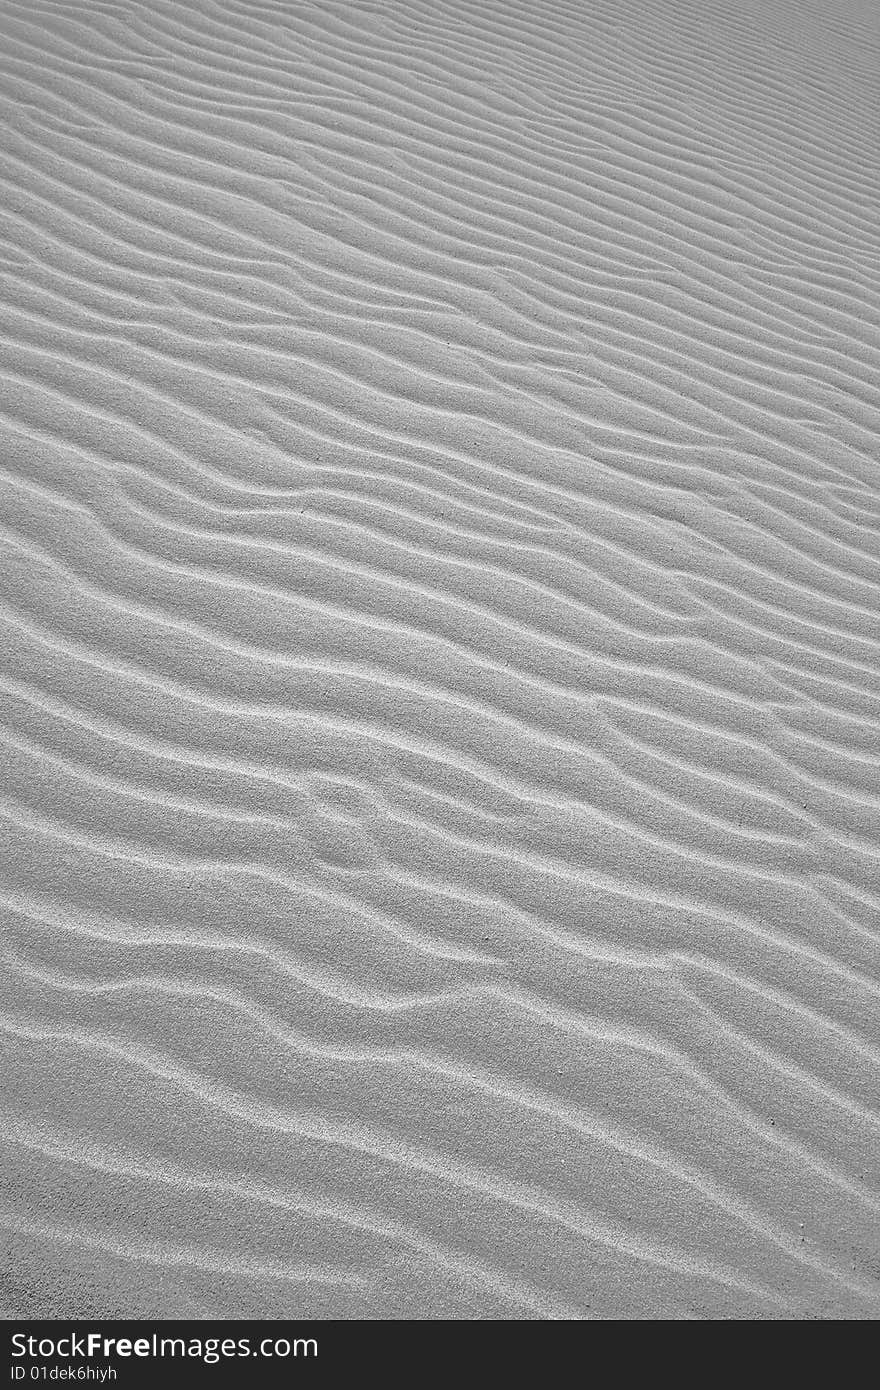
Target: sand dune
439, 701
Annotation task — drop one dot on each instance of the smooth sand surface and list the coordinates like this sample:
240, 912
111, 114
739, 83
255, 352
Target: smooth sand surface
439, 700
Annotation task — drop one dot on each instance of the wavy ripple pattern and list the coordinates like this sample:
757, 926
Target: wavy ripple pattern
439, 700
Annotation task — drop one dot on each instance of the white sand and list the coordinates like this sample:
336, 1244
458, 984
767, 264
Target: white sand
439, 504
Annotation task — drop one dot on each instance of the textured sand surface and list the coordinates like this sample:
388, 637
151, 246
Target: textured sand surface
439, 701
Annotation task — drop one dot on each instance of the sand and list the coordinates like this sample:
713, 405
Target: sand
439, 702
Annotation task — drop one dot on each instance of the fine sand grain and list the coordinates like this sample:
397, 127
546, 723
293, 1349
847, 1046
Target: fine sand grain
439, 700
